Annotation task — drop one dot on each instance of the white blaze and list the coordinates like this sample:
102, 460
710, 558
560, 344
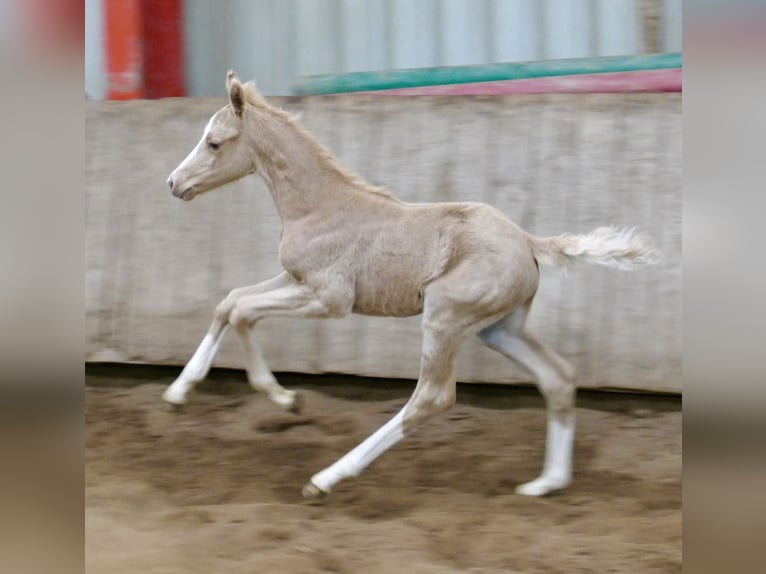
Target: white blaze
199, 145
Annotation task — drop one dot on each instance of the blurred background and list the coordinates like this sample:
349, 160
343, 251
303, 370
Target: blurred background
156, 48
723, 47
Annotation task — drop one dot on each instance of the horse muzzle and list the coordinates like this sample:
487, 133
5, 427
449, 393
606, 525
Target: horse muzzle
187, 194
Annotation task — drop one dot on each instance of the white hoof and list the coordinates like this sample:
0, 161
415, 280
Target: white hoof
542, 486
174, 396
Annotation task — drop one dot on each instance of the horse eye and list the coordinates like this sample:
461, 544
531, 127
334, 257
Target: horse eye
214, 145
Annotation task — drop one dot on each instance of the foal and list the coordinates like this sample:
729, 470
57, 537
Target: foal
349, 247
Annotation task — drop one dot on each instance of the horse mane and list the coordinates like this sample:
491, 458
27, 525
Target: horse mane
254, 98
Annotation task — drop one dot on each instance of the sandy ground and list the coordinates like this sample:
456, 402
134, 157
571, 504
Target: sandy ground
216, 488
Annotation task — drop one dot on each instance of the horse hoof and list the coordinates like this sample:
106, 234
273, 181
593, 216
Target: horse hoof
312, 492
173, 397
173, 408
297, 405
541, 487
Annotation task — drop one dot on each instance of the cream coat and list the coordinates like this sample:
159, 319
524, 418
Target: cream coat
349, 247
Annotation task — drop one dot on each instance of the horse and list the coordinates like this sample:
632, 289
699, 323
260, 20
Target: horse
351, 247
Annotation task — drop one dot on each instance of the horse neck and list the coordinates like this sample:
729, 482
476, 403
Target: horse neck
301, 175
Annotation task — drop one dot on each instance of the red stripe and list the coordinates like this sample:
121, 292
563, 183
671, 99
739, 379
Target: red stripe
668, 80
163, 48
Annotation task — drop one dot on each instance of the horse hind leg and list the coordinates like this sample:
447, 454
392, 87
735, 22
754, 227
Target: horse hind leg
555, 379
434, 393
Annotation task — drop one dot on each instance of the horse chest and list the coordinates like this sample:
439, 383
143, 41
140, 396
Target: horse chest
302, 254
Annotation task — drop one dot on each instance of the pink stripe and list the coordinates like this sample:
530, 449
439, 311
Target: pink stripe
641, 81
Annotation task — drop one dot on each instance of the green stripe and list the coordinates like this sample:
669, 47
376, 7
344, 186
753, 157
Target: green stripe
416, 77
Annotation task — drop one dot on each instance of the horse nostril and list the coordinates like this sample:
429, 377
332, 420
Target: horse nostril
170, 183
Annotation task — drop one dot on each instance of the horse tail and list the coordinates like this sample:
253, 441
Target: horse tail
618, 248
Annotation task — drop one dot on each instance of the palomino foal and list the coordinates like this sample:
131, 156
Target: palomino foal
349, 247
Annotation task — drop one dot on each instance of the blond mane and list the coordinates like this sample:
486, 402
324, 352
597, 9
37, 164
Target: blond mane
254, 98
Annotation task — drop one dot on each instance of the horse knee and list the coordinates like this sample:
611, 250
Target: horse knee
222, 311
225, 307
240, 318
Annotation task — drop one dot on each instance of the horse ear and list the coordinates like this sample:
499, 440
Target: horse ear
231, 76
236, 93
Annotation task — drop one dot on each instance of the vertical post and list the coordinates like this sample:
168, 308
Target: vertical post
124, 53
163, 48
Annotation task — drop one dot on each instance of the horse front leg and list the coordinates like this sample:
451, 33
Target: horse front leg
291, 299
198, 366
260, 376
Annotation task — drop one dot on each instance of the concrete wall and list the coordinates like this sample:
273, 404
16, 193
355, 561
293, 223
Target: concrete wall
156, 267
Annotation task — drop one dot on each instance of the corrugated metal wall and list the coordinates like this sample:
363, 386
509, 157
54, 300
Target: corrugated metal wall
274, 41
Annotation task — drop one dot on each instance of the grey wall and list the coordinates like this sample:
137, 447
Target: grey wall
156, 267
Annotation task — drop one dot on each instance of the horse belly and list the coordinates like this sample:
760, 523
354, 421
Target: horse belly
394, 298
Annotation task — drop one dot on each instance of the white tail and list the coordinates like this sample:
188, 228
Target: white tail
619, 248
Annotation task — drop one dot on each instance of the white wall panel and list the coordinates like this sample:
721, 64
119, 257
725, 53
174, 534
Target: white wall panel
365, 25
462, 28
414, 34
515, 29
567, 27
95, 65
275, 40
618, 30
206, 46
317, 37
671, 25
